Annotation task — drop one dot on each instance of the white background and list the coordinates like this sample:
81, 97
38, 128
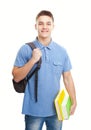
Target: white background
72, 30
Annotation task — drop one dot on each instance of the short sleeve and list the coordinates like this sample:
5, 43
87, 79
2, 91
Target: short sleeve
67, 63
23, 55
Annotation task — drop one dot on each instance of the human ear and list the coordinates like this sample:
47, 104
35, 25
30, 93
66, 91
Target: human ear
35, 26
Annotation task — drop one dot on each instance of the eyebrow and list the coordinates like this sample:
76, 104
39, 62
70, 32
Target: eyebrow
43, 22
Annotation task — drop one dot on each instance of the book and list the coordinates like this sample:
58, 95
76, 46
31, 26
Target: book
58, 100
63, 104
66, 105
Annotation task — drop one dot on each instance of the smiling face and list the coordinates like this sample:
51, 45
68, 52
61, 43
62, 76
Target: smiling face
44, 25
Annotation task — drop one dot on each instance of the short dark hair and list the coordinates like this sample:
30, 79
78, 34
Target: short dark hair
45, 12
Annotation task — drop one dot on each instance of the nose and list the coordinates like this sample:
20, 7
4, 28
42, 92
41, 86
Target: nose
44, 26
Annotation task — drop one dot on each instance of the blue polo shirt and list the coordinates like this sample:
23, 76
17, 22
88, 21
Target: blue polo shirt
55, 61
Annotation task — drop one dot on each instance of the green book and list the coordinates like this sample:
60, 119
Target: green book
66, 106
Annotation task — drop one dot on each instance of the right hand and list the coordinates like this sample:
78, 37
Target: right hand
36, 54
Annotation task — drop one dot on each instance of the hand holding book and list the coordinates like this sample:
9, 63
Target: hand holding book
72, 109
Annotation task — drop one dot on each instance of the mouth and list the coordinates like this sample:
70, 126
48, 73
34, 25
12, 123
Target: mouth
44, 31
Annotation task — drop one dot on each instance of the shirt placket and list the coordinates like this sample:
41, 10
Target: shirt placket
46, 55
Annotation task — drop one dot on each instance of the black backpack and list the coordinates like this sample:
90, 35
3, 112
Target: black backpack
21, 85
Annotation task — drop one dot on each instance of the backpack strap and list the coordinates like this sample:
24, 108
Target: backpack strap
31, 44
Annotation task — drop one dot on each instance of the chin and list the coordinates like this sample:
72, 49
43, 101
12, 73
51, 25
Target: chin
44, 36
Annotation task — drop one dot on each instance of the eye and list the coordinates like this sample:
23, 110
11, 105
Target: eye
40, 23
48, 23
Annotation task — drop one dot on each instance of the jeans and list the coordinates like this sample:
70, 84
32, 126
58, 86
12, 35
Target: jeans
36, 123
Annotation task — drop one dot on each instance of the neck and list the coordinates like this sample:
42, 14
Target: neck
44, 41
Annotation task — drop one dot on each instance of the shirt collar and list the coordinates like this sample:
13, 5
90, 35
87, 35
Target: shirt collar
41, 46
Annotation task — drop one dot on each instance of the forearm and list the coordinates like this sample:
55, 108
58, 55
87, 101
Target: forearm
20, 73
69, 85
71, 90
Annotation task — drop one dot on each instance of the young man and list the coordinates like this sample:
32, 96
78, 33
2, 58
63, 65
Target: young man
55, 62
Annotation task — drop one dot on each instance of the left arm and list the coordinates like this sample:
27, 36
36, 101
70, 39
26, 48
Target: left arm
69, 85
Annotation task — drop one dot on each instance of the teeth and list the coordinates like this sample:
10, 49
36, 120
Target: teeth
44, 31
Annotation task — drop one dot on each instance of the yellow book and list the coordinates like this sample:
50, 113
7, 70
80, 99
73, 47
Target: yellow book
58, 100
62, 104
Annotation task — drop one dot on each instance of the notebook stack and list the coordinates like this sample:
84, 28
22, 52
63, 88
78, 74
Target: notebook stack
63, 104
